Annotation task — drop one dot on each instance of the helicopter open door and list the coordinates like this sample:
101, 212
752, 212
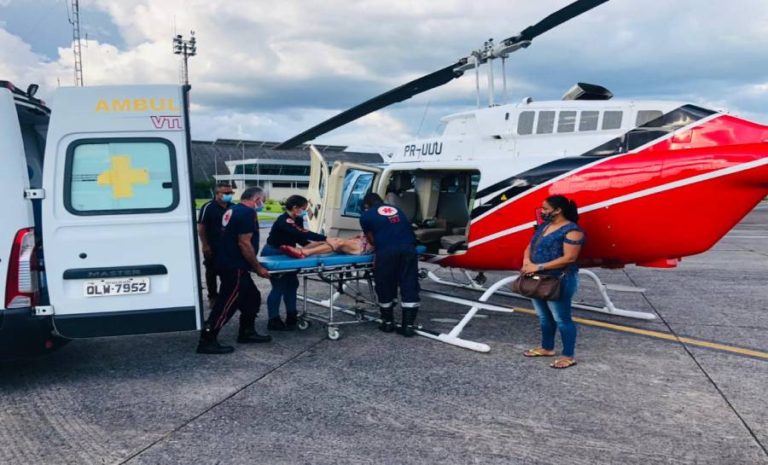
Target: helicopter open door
348, 184
318, 184
437, 201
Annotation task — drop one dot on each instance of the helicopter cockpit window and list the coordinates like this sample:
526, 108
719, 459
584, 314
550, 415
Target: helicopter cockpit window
355, 190
612, 119
588, 121
644, 116
525, 123
567, 121
546, 122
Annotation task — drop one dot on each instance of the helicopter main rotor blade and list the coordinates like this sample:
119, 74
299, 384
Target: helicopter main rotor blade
559, 17
398, 94
445, 75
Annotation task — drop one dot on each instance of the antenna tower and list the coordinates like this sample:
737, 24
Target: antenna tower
75, 22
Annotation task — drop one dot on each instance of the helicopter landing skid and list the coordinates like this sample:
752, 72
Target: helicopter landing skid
475, 284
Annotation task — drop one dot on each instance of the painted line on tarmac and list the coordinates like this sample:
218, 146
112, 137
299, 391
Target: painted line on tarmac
665, 336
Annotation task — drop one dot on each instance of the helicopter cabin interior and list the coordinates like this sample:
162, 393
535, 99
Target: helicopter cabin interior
436, 201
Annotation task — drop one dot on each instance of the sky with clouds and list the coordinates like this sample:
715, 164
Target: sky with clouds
267, 70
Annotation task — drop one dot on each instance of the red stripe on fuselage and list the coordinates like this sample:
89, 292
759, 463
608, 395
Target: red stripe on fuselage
639, 230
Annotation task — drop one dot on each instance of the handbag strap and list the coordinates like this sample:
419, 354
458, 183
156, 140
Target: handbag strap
538, 239
536, 244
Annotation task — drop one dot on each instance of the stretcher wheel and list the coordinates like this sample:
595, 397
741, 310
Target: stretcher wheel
302, 324
333, 333
423, 273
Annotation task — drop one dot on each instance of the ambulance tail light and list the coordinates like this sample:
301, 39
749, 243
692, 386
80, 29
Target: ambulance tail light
21, 287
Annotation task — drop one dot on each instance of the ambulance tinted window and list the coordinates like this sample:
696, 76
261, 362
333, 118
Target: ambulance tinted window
525, 122
355, 192
546, 122
120, 176
612, 119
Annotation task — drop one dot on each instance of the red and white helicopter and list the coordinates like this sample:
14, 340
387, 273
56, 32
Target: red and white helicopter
655, 181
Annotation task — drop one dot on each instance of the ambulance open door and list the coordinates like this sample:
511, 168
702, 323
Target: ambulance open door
118, 215
318, 185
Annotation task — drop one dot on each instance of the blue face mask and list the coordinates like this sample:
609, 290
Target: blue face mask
258, 207
227, 197
303, 215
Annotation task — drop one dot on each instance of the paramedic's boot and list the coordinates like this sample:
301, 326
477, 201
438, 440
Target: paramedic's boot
291, 321
276, 324
250, 336
387, 319
209, 345
408, 329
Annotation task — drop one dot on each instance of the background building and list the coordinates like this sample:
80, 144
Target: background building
249, 163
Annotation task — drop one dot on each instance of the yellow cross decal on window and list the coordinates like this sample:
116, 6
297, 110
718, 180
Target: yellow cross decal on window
122, 177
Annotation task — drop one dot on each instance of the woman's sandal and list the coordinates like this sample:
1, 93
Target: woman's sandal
538, 352
562, 363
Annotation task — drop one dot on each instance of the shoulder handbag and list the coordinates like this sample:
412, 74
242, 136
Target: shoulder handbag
538, 286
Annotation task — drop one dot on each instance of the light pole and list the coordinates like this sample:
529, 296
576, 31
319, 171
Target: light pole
185, 48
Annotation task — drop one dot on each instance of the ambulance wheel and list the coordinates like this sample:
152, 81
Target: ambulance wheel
302, 324
333, 333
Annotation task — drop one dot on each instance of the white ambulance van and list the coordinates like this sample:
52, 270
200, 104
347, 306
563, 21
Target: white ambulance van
97, 234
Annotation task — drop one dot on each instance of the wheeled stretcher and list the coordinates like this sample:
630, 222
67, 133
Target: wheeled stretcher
345, 275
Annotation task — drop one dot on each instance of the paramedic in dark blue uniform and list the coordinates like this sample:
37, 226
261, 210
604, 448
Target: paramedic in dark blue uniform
288, 229
209, 230
236, 258
396, 262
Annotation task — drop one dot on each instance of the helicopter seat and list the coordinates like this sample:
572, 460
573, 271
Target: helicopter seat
452, 208
426, 232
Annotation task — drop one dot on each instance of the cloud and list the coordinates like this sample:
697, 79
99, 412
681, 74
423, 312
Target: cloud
268, 70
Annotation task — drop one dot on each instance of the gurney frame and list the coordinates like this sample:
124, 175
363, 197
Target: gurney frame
338, 278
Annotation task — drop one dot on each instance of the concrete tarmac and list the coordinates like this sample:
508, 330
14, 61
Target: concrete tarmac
373, 398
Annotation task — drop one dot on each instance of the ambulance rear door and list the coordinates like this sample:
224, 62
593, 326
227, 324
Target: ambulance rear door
318, 184
118, 217
348, 184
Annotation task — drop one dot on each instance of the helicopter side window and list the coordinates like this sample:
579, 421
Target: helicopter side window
588, 121
567, 121
612, 119
644, 116
362, 186
525, 123
546, 122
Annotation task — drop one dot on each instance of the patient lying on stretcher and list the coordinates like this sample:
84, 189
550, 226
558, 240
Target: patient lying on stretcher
357, 245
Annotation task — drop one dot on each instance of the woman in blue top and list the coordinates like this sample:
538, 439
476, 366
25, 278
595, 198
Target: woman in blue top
553, 250
287, 230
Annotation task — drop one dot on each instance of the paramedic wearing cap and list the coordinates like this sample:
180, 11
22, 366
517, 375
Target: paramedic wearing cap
209, 230
235, 259
396, 263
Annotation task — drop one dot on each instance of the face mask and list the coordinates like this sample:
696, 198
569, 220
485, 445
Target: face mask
227, 197
303, 215
258, 207
548, 216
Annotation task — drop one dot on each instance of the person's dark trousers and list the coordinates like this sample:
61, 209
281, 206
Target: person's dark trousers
237, 291
397, 267
210, 276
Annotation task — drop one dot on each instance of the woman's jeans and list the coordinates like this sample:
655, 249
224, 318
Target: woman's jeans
556, 314
284, 287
